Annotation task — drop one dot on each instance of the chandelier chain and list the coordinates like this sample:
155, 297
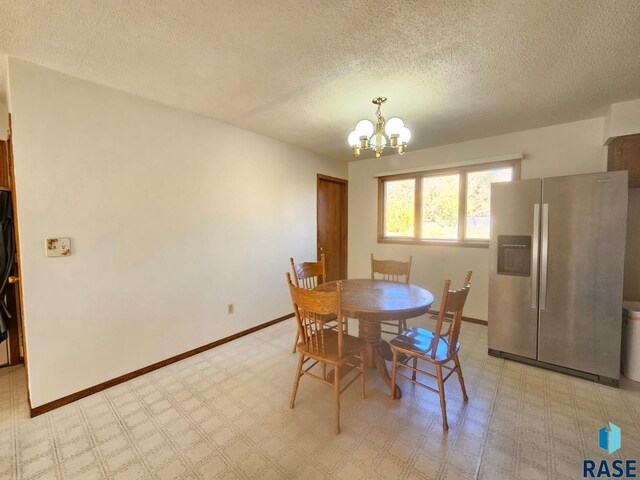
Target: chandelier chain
379, 113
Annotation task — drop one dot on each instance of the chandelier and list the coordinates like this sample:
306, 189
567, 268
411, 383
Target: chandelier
384, 134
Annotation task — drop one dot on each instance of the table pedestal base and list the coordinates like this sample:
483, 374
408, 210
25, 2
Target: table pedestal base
377, 351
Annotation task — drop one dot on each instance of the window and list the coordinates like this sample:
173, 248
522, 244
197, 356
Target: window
400, 205
450, 207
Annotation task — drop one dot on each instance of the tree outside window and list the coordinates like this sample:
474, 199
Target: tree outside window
454, 206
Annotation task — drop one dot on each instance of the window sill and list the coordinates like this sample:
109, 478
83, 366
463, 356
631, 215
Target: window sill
436, 243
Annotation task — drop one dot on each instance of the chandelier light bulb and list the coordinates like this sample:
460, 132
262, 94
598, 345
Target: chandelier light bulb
364, 128
393, 126
405, 135
354, 139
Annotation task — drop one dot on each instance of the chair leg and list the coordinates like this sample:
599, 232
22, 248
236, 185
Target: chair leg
295, 344
394, 368
415, 365
296, 382
402, 326
364, 395
460, 378
443, 403
346, 326
336, 394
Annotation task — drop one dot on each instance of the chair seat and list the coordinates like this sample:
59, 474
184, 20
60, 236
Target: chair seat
350, 346
420, 341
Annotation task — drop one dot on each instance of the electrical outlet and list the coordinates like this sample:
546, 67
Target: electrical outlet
230, 308
57, 247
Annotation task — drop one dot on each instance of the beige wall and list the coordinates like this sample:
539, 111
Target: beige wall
4, 122
565, 149
171, 217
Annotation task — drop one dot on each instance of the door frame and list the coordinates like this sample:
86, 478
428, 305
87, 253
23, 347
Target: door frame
345, 219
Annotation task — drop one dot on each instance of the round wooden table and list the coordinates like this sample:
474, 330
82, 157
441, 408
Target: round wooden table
373, 301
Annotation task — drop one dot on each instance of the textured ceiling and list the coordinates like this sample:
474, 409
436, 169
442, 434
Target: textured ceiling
305, 72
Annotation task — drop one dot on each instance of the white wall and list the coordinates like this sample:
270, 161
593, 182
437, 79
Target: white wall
565, 149
622, 119
171, 216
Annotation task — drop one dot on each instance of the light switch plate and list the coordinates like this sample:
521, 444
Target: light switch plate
57, 247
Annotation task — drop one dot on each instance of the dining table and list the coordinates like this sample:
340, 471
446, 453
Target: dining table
374, 301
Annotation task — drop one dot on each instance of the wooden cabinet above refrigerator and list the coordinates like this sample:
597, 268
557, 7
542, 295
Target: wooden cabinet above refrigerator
624, 154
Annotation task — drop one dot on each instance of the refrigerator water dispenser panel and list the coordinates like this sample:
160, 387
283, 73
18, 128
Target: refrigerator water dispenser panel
514, 255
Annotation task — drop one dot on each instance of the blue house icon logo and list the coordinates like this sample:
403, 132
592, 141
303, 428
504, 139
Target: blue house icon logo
609, 438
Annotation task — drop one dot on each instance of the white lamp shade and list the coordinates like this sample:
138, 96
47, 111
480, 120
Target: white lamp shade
393, 126
373, 141
354, 139
364, 128
405, 135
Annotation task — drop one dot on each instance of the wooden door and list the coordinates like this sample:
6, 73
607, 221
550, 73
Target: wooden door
332, 225
17, 352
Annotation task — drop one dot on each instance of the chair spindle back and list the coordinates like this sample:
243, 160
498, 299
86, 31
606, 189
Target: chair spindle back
452, 303
309, 274
311, 309
391, 270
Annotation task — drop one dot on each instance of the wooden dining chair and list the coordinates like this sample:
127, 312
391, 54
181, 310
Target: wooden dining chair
392, 271
309, 275
325, 346
437, 347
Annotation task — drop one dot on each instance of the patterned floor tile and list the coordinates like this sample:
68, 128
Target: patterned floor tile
225, 414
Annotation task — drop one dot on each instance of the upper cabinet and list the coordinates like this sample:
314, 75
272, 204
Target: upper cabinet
624, 154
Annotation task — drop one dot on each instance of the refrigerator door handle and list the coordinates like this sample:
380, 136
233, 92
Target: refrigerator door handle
534, 256
544, 255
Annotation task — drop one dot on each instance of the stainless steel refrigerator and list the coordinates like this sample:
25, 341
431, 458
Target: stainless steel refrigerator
557, 263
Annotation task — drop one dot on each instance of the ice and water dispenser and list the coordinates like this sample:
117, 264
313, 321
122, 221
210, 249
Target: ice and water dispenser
514, 255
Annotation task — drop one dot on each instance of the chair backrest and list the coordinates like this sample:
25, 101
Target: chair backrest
309, 274
312, 309
452, 303
391, 270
